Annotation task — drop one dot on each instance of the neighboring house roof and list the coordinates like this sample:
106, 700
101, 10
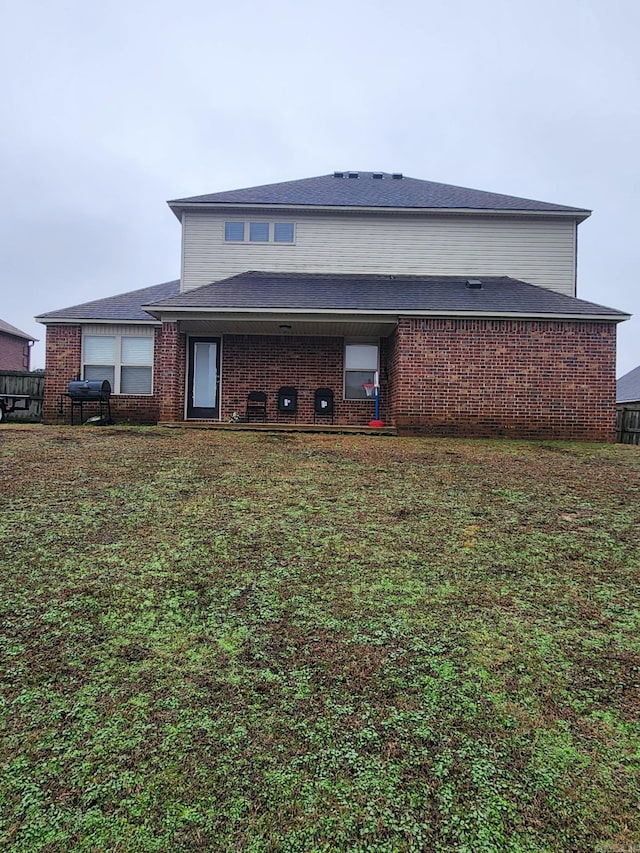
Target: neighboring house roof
367, 190
125, 307
264, 291
628, 387
8, 329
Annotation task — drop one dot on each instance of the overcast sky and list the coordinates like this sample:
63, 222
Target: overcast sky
111, 108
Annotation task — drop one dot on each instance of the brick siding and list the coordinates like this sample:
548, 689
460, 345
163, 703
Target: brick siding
170, 366
519, 378
266, 363
464, 377
63, 363
15, 353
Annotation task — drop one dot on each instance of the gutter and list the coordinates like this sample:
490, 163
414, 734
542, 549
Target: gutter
79, 321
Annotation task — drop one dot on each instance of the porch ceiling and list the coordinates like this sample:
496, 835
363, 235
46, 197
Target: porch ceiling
379, 327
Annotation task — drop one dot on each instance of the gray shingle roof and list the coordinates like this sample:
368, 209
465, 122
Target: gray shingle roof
628, 387
397, 294
8, 329
123, 307
367, 191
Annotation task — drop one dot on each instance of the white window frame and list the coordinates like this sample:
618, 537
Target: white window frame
246, 226
371, 342
110, 332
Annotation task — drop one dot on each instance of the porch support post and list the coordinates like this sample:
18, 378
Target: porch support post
170, 366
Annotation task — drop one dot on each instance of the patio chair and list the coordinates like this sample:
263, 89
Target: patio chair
256, 406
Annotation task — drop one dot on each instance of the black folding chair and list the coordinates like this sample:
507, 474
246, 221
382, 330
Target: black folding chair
323, 403
256, 406
288, 401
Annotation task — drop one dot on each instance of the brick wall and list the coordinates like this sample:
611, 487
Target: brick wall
257, 363
15, 353
473, 377
527, 379
170, 366
63, 363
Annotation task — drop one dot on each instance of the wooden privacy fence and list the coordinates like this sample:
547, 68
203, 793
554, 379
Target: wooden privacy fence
16, 382
628, 424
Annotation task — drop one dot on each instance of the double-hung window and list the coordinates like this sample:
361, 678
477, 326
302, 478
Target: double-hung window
360, 368
126, 361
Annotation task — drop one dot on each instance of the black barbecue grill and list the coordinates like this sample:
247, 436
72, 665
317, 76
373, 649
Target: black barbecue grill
81, 391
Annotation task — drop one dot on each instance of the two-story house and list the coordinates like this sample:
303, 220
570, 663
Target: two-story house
461, 303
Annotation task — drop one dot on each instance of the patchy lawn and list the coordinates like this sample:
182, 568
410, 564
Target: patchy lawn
257, 642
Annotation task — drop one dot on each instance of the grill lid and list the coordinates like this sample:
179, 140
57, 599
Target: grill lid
89, 389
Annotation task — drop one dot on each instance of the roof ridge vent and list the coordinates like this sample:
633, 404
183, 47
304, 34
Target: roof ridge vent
397, 176
474, 284
338, 174
354, 175
378, 175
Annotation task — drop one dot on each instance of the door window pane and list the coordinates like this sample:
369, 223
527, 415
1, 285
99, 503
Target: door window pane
204, 375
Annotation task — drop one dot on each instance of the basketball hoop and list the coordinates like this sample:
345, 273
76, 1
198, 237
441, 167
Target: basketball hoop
368, 387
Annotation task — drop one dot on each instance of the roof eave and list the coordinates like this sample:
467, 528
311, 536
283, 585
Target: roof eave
178, 207
179, 312
77, 321
21, 336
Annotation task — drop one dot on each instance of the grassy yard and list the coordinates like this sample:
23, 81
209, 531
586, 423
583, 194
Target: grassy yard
256, 642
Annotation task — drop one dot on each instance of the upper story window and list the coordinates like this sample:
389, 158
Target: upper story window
234, 232
283, 232
125, 360
360, 367
259, 232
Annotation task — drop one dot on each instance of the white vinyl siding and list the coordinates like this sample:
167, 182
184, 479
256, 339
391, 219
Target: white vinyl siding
121, 354
539, 250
